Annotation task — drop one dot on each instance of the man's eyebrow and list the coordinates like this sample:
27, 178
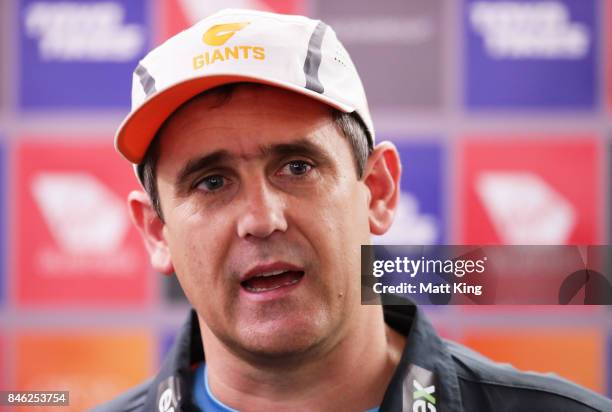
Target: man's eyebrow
302, 147
194, 165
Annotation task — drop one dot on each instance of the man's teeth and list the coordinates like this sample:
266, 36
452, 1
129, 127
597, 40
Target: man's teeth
274, 273
253, 289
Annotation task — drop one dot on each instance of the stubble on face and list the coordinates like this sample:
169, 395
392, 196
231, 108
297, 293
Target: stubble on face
323, 226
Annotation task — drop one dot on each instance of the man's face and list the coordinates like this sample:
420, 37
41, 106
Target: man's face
263, 218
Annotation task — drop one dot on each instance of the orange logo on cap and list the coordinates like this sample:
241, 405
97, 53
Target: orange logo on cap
221, 33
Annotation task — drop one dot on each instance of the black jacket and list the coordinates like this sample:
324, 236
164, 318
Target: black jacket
433, 375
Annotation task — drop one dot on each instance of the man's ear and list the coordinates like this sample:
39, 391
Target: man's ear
382, 178
151, 227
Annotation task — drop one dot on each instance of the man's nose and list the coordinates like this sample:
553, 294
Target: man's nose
263, 211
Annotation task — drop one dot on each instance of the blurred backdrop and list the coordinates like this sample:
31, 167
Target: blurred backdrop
501, 111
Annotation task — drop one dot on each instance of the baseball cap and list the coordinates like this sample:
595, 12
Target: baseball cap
287, 51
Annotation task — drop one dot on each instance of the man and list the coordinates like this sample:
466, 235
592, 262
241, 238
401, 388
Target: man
251, 134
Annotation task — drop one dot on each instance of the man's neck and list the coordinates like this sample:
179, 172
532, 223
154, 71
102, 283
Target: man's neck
352, 375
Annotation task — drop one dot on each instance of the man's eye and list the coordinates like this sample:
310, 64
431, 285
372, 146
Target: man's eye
297, 167
211, 183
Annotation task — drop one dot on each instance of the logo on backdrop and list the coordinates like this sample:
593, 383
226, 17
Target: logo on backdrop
74, 241
529, 190
407, 35
87, 222
525, 209
70, 31
542, 30
411, 226
82, 214
80, 54
419, 219
372, 30
531, 54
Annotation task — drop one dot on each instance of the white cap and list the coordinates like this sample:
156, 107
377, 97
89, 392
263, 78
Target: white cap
292, 52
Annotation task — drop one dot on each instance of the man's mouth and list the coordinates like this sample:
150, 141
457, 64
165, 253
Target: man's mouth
267, 281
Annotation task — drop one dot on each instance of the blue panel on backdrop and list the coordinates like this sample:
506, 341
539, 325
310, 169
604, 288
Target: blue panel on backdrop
420, 219
80, 54
531, 54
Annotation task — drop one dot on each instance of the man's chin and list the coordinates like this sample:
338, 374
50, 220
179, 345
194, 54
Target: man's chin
282, 342
280, 350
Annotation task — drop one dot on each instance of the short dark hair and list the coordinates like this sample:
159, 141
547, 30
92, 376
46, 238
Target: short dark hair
350, 124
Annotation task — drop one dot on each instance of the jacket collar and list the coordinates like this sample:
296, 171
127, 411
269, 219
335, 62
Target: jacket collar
426, 372
424, 375
171, 388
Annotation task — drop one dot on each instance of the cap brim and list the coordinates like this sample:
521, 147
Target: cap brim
139, 127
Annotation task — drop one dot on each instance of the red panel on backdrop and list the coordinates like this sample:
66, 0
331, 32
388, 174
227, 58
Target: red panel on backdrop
75, 242
3, 361
177, 15
539, 191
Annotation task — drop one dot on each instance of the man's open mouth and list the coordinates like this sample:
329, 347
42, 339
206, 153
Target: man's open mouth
268, 281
